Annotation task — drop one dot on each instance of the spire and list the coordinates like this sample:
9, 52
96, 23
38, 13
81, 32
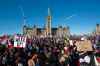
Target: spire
23, 15
24, 20
48, 24
49, 13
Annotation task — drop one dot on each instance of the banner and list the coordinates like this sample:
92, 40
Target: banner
19, 41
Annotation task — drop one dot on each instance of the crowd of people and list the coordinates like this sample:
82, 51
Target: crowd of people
44, 52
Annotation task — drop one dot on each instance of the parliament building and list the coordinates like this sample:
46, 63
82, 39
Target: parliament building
47, 31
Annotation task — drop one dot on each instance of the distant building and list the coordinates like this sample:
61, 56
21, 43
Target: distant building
98, 29
60, 31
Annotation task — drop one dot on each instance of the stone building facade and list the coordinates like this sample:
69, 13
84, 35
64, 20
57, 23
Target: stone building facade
48, 30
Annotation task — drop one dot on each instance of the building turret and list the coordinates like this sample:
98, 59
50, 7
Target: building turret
98, 29
48, 24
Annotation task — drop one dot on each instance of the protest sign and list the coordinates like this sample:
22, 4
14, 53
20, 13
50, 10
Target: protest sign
19, 41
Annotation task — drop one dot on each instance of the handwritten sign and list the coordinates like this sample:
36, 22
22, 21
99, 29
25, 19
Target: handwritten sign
19, 41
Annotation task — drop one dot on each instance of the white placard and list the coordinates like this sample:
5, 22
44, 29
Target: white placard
19, 41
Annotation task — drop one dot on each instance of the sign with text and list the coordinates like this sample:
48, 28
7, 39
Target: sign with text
19, 41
